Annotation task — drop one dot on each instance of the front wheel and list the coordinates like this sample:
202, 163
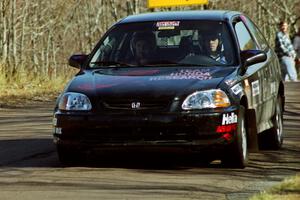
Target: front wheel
68, 156
237, 154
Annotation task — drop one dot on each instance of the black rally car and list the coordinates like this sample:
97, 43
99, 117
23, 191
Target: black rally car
193, 80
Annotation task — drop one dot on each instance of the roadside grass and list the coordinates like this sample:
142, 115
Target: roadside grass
22, 92
28, 88
289, 189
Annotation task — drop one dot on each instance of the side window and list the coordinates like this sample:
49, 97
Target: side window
257, 34
107, 49
245, 40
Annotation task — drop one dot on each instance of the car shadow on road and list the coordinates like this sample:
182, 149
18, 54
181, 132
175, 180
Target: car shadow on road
33, 152
148, 160
41, 152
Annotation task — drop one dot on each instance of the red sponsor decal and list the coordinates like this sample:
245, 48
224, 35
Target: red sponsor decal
85, 87
243, 18
98, 86
226, 128
140, 72
167, 23
227, 136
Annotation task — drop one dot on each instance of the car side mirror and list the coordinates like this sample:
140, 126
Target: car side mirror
251, 57
77, 60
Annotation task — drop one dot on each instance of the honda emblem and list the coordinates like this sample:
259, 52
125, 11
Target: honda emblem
135, 105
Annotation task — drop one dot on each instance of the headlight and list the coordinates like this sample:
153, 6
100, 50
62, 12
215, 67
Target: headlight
74, 101
206, 99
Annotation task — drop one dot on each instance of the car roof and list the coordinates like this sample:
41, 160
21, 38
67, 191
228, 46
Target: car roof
217, 15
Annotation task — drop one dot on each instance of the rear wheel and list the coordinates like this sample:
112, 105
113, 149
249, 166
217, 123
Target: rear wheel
237, 154
273, 138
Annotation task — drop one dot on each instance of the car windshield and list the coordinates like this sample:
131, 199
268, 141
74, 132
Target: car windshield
166, 43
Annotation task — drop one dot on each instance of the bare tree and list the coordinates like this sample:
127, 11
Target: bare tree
36, 37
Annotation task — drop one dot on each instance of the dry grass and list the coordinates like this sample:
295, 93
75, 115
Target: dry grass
26, 88
289, 189
277, 197
18, 93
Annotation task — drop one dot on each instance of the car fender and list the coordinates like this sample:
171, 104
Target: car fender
250, 123
252, 130
250, 118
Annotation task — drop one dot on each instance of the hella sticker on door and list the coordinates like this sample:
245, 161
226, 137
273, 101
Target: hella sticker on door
229, 118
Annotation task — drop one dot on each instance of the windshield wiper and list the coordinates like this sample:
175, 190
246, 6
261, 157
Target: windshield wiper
162, 63
112, 63
195, 65
173, 63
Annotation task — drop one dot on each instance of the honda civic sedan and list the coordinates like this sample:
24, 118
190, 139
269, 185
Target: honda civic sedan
190, 80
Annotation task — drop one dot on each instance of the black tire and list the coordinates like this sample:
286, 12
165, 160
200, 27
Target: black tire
237, 154
273, 138
68, 156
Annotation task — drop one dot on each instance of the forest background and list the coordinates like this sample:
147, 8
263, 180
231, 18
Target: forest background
37, 37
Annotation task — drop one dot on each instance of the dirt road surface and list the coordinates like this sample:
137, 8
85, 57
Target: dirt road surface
29, 167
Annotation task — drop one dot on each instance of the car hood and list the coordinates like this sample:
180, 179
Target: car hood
135, 83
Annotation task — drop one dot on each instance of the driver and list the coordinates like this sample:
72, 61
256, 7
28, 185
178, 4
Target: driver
213, 47
142, 47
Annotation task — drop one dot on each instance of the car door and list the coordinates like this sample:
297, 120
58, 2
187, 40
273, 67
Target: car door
270, 83
254, 75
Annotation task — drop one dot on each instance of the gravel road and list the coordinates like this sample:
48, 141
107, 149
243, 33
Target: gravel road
29, 167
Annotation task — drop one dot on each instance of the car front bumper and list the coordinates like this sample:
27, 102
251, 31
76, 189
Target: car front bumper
184, 130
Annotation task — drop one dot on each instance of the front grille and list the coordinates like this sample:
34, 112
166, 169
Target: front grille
136, 104
139, 134
149, 133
